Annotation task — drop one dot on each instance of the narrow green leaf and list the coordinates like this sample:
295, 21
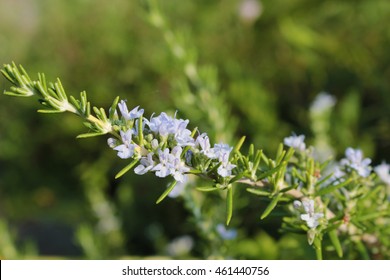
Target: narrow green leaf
88, 110
336, 242
49, 111
60, 90
10, 93
103, 115
271, 171
140, 131
7, 76
127, 168
271, 206
229, 205
362, 250
289, 154
113, 107
251, 150
332, 188
207, 189
92, 134
280, 153
257, 159
326, 178
239, 144
42, 80
237, 177
166, 192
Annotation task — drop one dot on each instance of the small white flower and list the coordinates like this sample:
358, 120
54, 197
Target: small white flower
225, 169
162, 169
221, 149
146, 165
338, 174
354, 159
311, 218
324, 101
112, 142
204, 142
383, 172
296, 142
125, 150
133, 114
297, 204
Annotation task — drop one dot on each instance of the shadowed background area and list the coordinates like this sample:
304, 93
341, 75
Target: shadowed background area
58, 195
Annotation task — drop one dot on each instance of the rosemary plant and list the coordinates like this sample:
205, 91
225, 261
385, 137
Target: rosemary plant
344, 202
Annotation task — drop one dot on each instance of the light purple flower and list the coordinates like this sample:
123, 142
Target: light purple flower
133, 114
324, 101
354, 159
125, 150
221, 149
383, 172
296, 142
147, 163
225, 169
166, 125
171, 164
178, 167
311, 218
163, 168
204, 142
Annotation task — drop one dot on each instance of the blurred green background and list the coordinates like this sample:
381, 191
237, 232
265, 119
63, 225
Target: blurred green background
58, 195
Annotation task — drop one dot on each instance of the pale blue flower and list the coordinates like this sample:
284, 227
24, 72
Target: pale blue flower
165, 125
204, 142
162, 124
171, 164
354, 159
324, 101
125, 150
221, 149
182, 134
311, 218
383, 172
225, 169
337, 174
178, 167
147, 163
112, 142
226, 234
163, 168
133, 114
296, 142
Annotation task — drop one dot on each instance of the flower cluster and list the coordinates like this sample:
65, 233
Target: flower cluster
167, 146
353, 162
